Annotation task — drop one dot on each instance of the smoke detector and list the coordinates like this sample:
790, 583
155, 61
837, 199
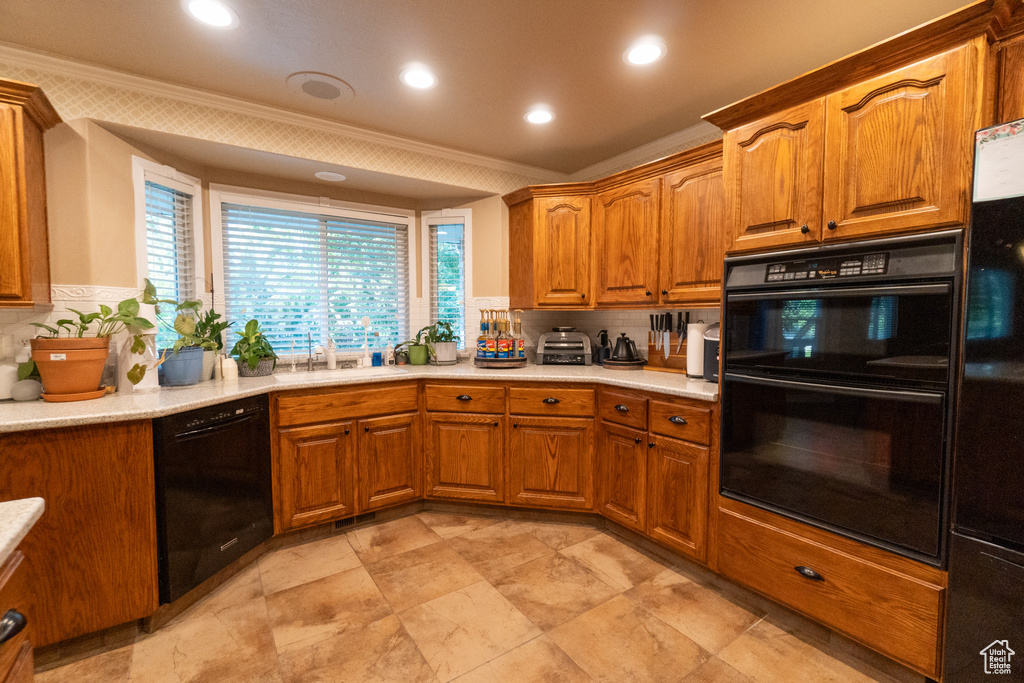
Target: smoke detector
321, 86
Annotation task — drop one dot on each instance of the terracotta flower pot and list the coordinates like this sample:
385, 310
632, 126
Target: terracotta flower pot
71, 365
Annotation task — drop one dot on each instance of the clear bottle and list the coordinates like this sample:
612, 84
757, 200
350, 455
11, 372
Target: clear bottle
505, 341
520, 339
481, 341
492, 336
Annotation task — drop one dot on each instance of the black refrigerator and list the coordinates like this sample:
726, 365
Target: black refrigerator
985, 612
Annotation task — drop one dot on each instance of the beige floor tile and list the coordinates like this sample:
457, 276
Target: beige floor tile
496, 549
716, 671
553, 589
287, 567
768, 654
374, 543
699, 613
538, 661
335, 604
558, 536
381, 652
614, 561
462, 630
106, 667
620, 641
242, 587
420, 575
233, 644
449, 526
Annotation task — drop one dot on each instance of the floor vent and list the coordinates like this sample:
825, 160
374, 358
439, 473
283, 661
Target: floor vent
366, 517
358, 519
342, 523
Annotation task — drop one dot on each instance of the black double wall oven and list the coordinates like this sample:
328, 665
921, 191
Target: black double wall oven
837, 384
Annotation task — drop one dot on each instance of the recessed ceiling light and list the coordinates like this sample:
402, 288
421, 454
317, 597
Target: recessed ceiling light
418, 76
329, 175
646, 50
211, 12
539, 114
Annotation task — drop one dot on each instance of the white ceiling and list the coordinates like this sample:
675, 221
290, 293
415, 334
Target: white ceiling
494, 58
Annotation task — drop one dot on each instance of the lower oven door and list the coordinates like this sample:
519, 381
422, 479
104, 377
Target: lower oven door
867, 463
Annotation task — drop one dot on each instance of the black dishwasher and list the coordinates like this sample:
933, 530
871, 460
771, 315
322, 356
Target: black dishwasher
213, 490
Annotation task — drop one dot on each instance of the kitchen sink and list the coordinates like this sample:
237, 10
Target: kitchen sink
288, 377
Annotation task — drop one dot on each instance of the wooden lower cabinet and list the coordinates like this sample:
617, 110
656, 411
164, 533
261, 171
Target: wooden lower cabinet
390, 463
465, 457
677, 495
889, 603
551, 462
622, 475
15, 597
315, 473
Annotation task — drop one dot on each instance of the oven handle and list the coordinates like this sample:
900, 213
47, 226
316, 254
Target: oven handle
888, 394
825, 291
216, 426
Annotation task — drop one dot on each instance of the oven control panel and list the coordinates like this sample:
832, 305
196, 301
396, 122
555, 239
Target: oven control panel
828, 268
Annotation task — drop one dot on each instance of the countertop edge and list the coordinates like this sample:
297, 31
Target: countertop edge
17, 517
169, 401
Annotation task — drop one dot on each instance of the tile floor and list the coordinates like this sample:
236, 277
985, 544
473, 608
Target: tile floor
443, 597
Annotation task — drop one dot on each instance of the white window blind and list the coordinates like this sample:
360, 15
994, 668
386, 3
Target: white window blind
170, 247
447, 260
300, 273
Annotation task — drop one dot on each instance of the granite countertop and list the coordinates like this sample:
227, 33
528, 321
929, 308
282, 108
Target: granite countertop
17, 517
15, 417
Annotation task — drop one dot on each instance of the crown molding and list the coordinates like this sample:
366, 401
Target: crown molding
688, 137
43, 61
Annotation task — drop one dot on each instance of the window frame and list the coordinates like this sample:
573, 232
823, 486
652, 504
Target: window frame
231, 194
144, 170
442, 217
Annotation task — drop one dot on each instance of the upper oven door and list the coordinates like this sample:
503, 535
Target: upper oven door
879, 334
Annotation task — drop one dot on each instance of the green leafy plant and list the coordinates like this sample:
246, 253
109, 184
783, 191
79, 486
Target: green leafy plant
253, 345
441, 331
210, 330
28, 370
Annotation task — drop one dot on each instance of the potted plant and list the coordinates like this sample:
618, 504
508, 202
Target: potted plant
256, 357
402, 353
442, 342
182, 363
210, 331
416, 349
71, 356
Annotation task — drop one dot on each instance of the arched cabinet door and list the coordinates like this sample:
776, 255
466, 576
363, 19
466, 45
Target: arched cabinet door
773, 170
898, 148
562, 275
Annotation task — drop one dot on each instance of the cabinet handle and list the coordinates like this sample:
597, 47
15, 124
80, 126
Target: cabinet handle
637, 440
515, 425
650, 444
621, 408
366, 429
464, 397
495, 423
648, 292
805, 228
809, 573
551, 401
676, 420
346, 432
831, 225
12, 624
664, 292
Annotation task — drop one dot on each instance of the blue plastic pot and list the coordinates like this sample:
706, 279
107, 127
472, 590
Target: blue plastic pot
182, 369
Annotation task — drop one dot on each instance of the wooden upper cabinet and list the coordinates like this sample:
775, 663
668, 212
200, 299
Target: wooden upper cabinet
693, 235
25, 114
315, 474
626, 243
898, 148
1010, 104
622, 475
551, 462
773, 179
562, 252
465, 457
390, 467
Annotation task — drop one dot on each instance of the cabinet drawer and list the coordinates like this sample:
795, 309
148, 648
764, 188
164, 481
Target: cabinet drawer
304, 407
465, 398
13, 596
622, 408
890, 612
681, 421
555, 401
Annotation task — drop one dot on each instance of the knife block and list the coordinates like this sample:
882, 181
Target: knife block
676, 362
